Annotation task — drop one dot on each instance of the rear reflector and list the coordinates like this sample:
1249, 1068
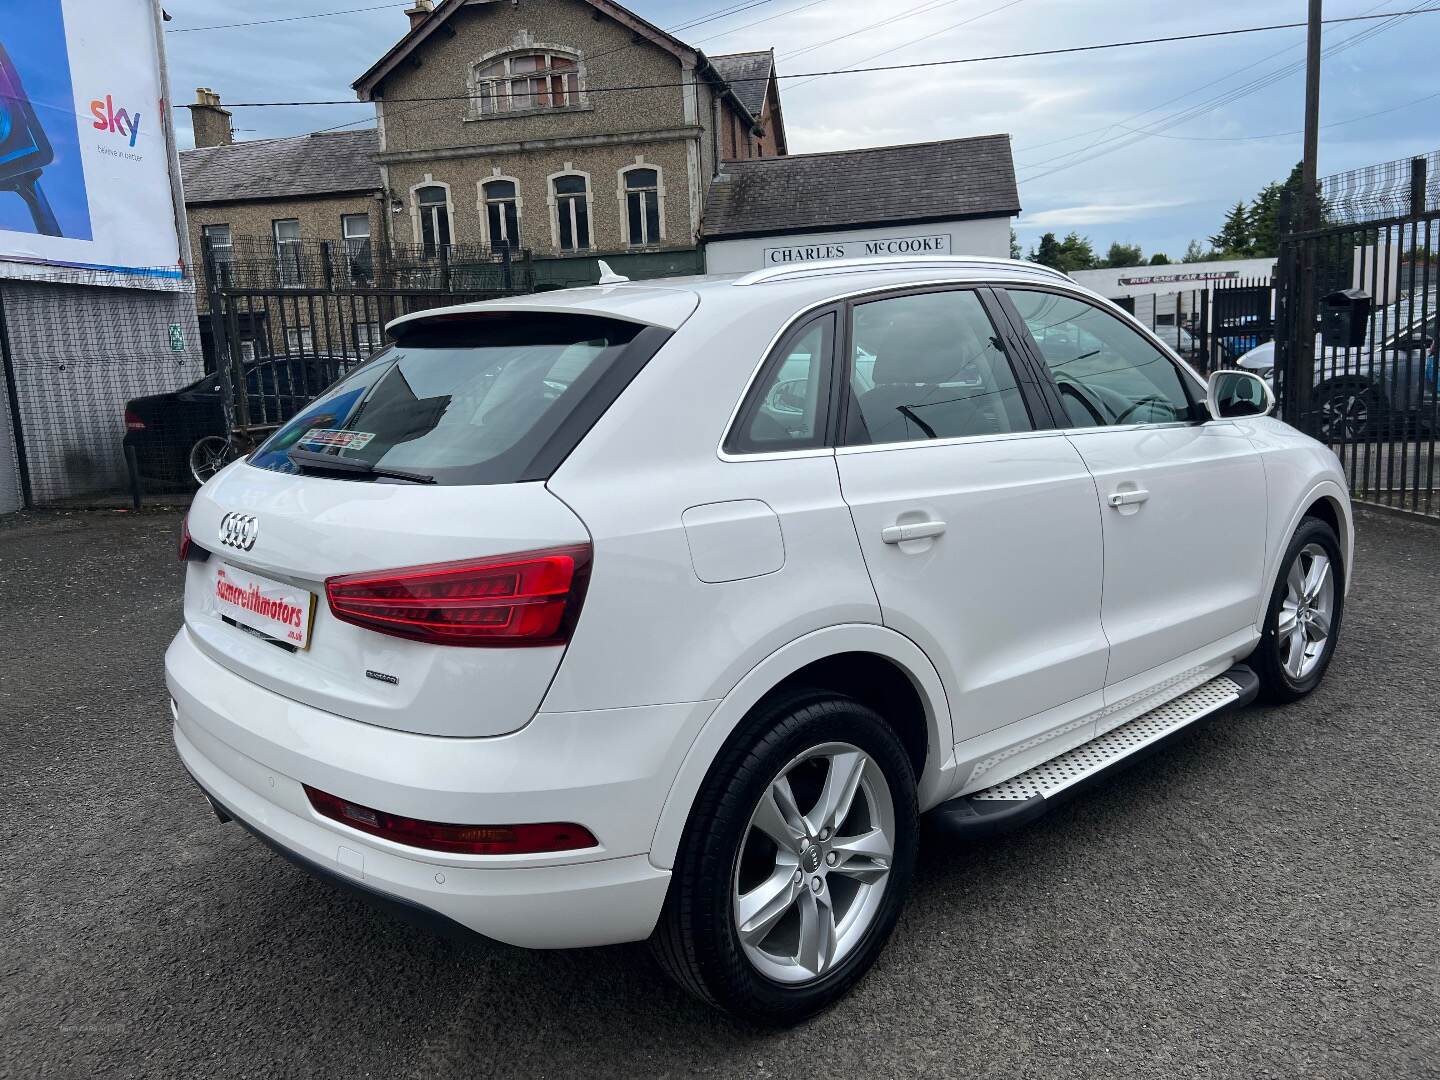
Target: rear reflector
532, 598
459, 839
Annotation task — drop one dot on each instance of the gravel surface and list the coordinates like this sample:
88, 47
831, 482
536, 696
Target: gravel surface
1258, 899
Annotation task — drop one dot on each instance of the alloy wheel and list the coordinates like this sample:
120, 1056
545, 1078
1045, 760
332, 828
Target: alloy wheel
1345, 414
208, 456
1307, 613
814, 863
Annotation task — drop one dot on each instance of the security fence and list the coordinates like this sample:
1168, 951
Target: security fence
1356, 342
1213, 325
82, 360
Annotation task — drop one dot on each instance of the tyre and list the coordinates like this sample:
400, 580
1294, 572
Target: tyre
1348, 410
208, 456
795, 862
1302, 623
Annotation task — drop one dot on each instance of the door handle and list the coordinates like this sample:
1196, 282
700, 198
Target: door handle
894, 534
1129, 497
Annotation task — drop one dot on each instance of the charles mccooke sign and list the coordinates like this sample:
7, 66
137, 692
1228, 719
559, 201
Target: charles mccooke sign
855, 249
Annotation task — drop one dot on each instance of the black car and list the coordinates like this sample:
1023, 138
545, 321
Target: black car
179, 437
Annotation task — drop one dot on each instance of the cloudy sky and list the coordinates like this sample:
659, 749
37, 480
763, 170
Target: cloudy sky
1146, 145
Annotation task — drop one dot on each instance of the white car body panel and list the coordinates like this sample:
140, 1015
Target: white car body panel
1039, 617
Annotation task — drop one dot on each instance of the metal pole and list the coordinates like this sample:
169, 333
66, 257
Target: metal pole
172, 151
1303, 374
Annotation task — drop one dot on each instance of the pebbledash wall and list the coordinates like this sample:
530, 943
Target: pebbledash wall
988, 237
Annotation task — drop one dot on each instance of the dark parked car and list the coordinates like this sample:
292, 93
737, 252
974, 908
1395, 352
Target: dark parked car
179, 437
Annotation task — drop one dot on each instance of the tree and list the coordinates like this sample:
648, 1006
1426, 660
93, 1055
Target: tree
1014, 245
1159, 259
1265, 214
1047, 252
1235, 239
1124, 255
1073, 253
1195, 253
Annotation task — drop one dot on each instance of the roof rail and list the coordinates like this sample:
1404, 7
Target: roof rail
887, 262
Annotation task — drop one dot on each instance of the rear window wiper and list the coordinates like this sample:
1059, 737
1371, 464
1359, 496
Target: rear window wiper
314, 460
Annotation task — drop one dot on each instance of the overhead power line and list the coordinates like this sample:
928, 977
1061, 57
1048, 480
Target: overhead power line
913, 66
284, 19
1297, 131
1127, 138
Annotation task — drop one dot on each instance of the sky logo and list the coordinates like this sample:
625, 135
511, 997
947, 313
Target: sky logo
115, 121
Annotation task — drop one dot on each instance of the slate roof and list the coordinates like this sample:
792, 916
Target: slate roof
847, 189
329, 163
748, 74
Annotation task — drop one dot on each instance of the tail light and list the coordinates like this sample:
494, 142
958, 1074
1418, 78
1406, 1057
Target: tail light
532, 598
133, 422
189, 550
461, 839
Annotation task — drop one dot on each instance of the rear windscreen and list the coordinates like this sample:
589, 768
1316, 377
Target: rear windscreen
478, 399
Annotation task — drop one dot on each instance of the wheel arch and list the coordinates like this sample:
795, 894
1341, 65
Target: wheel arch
866, 661
1328, 501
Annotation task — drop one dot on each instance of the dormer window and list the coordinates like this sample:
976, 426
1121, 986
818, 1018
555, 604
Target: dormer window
527, 81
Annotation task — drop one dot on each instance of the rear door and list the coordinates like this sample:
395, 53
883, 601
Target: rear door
1182, 497
978, 523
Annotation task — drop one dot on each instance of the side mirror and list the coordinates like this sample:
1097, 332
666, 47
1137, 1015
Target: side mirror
1235, 393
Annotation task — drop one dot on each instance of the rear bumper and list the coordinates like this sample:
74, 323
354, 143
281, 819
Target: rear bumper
251, 750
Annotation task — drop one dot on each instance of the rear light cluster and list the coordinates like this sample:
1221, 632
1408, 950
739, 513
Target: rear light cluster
532, 598
133, 422
458, 839
190, 551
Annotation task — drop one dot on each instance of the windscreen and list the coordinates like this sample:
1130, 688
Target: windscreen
465, 400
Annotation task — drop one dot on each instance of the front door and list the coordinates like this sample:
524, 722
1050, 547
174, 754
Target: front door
978, 522
1182, 497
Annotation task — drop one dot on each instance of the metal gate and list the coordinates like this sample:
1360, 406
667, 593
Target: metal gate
285, 322
1356, 332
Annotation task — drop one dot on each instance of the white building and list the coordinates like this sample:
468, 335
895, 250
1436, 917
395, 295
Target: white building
1157, 295
955, 197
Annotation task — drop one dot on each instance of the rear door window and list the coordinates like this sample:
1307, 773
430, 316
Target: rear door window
482, 399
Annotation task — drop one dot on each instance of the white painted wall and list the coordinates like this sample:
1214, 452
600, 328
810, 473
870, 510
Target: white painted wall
1167, 280
989, 237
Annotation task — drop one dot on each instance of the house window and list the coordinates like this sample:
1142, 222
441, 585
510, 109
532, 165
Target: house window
502, 214
221, 243
532, 80
247, 350
572, 212
287, 251
433, 203
299, 339
368, 338
355, 233
642, 206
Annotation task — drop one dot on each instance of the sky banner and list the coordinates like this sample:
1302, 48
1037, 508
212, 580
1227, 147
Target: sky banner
84, 163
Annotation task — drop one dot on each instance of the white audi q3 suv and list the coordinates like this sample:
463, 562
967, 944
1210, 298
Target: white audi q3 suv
664, 610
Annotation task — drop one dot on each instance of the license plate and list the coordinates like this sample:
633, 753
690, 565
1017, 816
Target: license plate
271, 608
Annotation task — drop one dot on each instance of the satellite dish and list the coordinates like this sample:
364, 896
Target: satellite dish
608, 276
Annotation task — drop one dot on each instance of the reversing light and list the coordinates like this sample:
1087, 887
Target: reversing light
458, 839
532, 598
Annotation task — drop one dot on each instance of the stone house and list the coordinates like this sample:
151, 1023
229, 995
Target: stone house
572, 128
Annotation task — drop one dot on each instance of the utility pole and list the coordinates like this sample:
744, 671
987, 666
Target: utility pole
1302, 378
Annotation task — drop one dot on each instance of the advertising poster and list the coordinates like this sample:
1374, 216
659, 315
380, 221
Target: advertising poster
84, 161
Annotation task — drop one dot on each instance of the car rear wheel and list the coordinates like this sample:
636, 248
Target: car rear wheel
1302, 623
1347, 409
208, 456
795, 863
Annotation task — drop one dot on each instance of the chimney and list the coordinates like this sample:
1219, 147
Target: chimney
210, 121
420, 12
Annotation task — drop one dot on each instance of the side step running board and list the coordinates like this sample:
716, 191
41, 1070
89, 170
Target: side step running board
1022, 798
